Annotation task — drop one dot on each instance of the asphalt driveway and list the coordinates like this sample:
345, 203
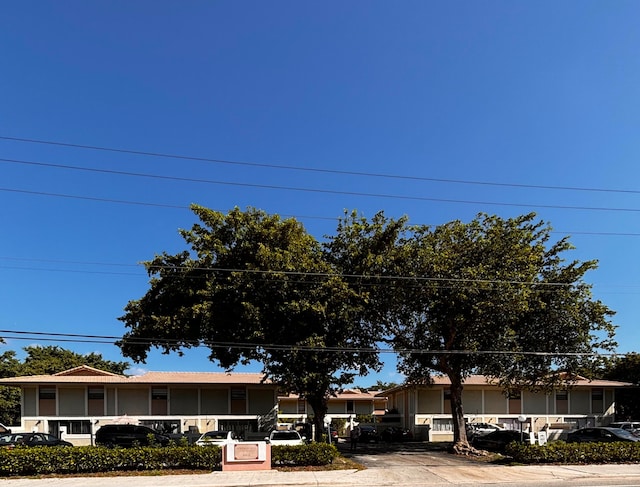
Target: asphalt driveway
410, 454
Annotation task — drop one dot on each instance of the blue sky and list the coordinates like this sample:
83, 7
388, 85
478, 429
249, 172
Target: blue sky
538, 97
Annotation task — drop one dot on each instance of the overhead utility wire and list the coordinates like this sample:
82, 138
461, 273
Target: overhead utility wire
71, 337
91, 198
325, 274
320, 191
312, 169
355, 276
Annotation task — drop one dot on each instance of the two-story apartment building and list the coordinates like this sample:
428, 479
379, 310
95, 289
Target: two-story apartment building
78, 401
426, 410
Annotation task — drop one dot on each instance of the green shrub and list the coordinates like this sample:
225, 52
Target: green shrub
91, 459
576, 453
312, 454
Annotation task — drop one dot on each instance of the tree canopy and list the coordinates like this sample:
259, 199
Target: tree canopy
494, 296
253, 286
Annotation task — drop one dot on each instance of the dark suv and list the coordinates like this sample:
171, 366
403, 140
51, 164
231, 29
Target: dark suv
128, 435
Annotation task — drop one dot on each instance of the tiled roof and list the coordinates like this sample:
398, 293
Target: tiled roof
83, 376
348, 394
199, 378
482, 380
86, 371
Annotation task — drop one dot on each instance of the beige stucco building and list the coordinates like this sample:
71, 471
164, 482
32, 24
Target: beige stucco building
76, 402
426, 410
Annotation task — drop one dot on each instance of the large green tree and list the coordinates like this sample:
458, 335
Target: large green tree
625, 368
494, 296
43, 360
253, 286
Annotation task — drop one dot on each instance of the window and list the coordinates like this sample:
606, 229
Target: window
95, 393
238, 394
47, 401
350, 407
515, 402
302, 408
447, 401
159, 393
443, 425
159, 403
79, 427
163, 426
47, 393
597, 400
562, 402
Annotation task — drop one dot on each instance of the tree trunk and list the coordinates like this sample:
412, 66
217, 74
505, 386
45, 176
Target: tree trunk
319, 406
460, 441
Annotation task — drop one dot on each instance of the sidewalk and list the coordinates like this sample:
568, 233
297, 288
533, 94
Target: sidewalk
373, 477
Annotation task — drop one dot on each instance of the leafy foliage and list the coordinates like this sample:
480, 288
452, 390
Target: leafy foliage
495, 297
312, 454
90, 459
53, 359
256, 287
575, 453
625, 368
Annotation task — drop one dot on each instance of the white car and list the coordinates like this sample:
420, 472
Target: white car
481, 429
217, 438
288, 437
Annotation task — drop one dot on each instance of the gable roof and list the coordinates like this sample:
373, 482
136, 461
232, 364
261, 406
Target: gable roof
89, 375
85, 370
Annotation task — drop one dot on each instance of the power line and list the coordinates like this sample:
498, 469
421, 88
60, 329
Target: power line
91, 198
311, 169
333, 192
106, 339
386, 278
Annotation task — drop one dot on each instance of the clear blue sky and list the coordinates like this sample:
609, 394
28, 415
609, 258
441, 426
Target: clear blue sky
540, 93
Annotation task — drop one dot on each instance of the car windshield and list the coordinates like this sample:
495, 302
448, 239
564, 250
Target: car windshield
215, 435
620, 433
285, 435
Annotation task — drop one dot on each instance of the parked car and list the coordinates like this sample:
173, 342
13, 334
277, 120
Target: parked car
12, 440
394, 433
479, 429
287, 437
498, 440
600, 434
368, 434
633, 426
217, 438
128, 435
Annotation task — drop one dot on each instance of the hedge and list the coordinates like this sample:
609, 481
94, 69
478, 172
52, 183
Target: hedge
92, 459
575, 453
305, 455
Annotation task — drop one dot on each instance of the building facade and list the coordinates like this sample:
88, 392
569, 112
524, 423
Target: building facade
426, 410
76, 402
349, 405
